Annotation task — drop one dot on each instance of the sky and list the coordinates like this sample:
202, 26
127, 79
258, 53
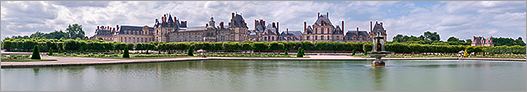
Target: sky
461, 19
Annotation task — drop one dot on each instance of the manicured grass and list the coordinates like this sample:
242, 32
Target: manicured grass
454, 55
245, 55
141, 56
21, 58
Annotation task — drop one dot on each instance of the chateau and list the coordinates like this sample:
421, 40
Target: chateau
480, 41
323, 30
171, 29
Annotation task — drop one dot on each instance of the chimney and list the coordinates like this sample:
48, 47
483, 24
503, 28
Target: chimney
274, 25
255, 24
371, 26
277, 26
262, 22
221, 25
97, 27
232, 15
342, 26
305, 26
318, 15
357, 28
327, 14
175, 19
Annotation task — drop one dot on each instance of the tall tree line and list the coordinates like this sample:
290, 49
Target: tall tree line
434, 38
73, 31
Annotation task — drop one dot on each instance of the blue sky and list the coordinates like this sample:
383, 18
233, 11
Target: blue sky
462, 19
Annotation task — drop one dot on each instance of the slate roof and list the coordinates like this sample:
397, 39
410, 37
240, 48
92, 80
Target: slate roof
101, 32
323, 19
378, 28
123, 29
293, 33
194, 29
337, 30
309, 30
238, 21
356, 33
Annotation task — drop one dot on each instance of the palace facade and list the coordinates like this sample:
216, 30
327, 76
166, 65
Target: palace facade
171, 29
128, 34
481, 41
261, 32
323, 30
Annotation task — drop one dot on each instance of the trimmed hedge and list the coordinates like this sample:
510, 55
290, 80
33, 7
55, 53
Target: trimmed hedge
76, 45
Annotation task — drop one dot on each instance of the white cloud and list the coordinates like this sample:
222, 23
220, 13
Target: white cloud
460, 19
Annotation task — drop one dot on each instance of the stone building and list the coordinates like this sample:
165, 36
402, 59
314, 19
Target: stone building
104, 33
166, 26
323, 30
291, 36
238, 29
377, 29
481, 41
357, 36
264, 33
128, 34
134, 34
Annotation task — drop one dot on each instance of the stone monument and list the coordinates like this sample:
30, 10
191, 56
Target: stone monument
378, 50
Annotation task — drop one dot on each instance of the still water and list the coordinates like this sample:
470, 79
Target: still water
442, 75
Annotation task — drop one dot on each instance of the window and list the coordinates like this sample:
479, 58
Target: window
321, 37
307, 37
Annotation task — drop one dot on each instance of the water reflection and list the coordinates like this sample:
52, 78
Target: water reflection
270, 76
377, 74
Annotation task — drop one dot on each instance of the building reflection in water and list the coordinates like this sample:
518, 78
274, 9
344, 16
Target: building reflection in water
377, 73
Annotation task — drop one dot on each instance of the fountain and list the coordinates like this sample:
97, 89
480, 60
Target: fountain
378, 50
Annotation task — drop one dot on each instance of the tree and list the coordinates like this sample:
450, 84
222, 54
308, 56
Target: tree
126, 54
519, 41
300, 52
190, 51
50, 52
56, 35
37, 35
453, 39
399, 38
431, 36
507, 41
286, 51
36, 53
75, 31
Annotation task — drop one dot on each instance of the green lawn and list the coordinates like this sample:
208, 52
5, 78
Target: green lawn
21, 58
141, 56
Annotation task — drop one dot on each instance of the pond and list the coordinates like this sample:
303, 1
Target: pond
398, 75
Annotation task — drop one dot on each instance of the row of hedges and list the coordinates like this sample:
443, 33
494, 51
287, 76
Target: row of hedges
75, 45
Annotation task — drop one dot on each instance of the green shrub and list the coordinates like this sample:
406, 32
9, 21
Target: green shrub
36, 53
300, 52
77, 45
126, 54
50, 52
190, 51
